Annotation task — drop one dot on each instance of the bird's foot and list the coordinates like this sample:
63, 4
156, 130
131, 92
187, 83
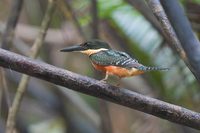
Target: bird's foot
103, 80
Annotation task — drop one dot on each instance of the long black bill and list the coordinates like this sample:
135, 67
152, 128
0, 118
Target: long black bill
72, 48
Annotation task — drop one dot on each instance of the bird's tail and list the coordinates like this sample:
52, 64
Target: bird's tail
147, 68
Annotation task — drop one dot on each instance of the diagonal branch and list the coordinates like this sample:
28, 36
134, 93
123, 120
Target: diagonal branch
99, 89
169, 32
11, 23
184, 32
66, 8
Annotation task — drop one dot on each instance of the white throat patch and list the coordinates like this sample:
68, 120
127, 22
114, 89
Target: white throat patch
92, 51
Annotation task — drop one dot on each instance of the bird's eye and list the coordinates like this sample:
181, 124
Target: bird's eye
87, 43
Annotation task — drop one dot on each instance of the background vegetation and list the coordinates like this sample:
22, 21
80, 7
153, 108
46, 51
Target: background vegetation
49, 108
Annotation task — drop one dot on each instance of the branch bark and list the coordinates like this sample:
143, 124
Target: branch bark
99, 89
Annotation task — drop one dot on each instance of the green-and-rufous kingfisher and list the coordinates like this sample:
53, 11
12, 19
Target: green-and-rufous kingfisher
110, 61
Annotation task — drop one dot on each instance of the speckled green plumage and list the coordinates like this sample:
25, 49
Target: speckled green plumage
115, 58
121, 59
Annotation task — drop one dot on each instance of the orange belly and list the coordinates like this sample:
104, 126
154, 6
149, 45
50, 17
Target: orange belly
118, 71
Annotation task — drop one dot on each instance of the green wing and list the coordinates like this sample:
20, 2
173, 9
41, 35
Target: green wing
114, 58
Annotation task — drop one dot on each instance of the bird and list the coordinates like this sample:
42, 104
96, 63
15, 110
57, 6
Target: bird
111, 62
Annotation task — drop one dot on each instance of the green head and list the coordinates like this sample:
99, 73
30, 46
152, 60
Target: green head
88, 47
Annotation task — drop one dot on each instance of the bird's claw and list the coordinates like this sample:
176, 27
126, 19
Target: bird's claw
103, 80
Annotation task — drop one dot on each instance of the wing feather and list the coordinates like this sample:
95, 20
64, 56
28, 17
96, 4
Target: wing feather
114, 58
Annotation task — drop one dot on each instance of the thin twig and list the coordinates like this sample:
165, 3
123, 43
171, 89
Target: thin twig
99, 89
11, 24
1, 92
24, 80
95, 18
106, 122
169, 32
5, 87
65, 7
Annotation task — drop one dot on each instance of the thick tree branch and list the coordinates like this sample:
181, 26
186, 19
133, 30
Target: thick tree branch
183, 29
99, 89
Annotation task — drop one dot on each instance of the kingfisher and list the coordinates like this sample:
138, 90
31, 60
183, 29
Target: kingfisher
111, 62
